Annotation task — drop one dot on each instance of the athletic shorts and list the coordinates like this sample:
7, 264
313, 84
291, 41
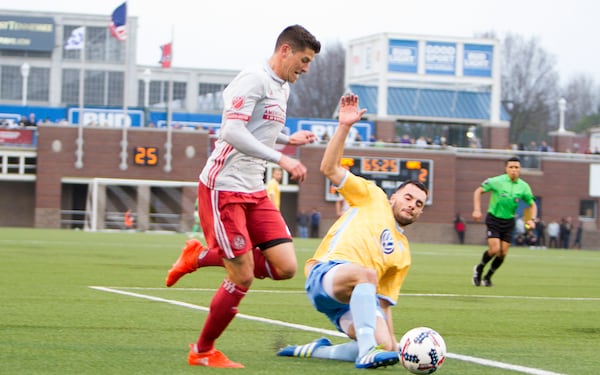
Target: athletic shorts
499, 228
235, 222
338, 313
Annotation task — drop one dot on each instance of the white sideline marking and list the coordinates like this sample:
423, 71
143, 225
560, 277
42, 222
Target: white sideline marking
540, 298
460, 357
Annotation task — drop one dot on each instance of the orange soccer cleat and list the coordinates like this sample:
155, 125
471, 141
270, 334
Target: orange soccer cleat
211, 358
187, 261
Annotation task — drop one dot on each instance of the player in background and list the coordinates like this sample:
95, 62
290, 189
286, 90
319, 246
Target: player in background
244, 231
356, 273
507, 190
273, 187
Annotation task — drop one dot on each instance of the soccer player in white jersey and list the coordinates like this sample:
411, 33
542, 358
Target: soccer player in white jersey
356, 273
244, 230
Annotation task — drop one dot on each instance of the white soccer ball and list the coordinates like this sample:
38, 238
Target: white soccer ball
422, 350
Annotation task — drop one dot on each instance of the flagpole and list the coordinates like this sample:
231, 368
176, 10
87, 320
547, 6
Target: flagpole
79, 152
123, 165
169, 144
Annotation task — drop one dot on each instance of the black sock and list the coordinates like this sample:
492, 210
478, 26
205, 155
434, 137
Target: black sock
494, 267
485, 258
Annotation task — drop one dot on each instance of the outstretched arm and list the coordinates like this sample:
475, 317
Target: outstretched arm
301, 138
349, 114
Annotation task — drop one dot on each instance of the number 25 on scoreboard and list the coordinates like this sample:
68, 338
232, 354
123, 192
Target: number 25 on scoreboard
145, 155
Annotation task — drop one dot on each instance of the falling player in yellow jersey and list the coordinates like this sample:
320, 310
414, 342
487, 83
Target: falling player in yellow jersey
355, 275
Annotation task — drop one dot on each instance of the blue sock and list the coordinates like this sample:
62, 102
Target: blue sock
363, 305
341, 352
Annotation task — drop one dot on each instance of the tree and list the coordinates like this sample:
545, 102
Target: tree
317, 94
530, 85
581, 104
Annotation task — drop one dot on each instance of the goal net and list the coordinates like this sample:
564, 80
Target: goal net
143, 205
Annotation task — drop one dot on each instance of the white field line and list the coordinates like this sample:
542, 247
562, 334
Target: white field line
442, 295
480, 361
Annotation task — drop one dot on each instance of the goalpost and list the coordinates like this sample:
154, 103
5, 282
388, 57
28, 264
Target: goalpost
143, 205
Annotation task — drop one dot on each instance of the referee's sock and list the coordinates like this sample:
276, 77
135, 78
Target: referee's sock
494, 267
485, 258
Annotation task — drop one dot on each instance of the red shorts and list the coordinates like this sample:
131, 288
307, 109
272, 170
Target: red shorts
235, 222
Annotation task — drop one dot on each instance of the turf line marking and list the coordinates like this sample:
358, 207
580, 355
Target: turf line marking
460, 357
541, 298
205, 309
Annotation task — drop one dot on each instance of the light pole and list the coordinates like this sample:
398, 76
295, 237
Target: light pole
146, 75
25, 68
562, 107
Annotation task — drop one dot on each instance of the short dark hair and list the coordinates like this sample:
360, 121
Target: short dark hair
418, 184
298, 38
514, 158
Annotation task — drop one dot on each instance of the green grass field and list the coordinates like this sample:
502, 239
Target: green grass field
543, 313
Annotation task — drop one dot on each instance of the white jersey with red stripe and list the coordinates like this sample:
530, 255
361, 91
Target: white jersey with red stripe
254, 114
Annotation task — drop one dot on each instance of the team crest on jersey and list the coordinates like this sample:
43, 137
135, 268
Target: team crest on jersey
238, 242
387, 241
237, 102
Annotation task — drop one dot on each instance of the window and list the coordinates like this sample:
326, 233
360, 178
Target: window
158, 94
38, 84
210, 97
99, 45
588, 209
70, 86
11, 83
100, 87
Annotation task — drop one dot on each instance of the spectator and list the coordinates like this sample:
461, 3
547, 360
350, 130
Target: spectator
540, 232
530, 237
405, 140
22, 122
544, 147
421, 141
303, 221
128, 219
315, 223
460, 228
31, 121
553, 232
578, 235
565, 232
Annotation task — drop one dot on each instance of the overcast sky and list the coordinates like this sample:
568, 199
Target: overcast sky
232, 34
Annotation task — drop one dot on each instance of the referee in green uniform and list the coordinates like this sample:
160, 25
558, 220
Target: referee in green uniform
507, 190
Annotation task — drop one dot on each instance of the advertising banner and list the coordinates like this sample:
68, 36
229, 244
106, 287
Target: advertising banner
27, 33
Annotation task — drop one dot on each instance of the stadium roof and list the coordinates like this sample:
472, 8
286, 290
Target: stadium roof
429, 104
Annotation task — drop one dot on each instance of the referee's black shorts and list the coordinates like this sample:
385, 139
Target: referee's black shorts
499, 228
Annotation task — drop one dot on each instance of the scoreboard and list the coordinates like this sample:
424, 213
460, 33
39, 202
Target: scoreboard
387, 173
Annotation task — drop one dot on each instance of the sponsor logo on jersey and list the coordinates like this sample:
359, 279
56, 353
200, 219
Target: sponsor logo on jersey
387, 241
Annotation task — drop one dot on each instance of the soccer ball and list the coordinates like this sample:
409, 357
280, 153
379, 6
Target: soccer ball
422, 350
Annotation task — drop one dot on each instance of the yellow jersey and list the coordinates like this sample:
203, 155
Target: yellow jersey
274, 193
367, 234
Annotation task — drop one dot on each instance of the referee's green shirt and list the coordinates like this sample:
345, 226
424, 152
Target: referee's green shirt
506, 195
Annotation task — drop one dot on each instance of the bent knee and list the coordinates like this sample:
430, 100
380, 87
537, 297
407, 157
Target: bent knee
367, 275
285, 273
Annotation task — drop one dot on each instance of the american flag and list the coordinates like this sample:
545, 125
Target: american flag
118, 20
